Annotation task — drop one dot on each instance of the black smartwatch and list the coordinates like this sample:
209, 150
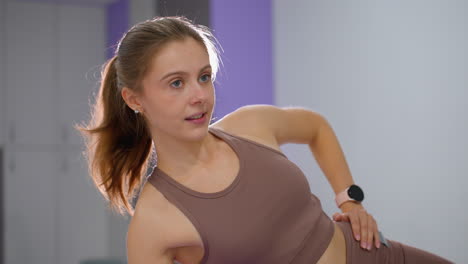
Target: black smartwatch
352, 193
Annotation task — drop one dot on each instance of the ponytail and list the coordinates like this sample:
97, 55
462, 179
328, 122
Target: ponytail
118, 144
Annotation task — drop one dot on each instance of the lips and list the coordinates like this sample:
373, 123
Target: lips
195, 116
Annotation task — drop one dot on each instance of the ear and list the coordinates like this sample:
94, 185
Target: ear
132, 99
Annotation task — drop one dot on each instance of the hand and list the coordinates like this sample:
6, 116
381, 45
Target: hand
363, 224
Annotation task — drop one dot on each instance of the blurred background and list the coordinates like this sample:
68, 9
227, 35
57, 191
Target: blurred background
389, 76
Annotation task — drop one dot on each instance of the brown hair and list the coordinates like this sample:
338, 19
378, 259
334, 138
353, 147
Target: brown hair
118, 142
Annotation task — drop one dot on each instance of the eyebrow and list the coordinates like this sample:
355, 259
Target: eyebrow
182, 72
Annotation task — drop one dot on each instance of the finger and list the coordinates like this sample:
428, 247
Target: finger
335, 216
354, 219
377, 237
370, 231
344, 217
364, 227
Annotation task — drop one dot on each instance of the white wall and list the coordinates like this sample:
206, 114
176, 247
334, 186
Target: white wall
391, 78
2, 73
52, 55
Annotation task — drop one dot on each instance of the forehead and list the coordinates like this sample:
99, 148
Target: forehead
179, 55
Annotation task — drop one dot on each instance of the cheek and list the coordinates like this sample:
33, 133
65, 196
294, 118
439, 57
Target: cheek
212, 91
163, 110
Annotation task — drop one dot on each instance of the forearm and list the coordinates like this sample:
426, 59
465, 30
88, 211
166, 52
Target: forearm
330, 157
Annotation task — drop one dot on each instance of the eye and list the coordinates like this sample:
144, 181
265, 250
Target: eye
177, 83
208, 77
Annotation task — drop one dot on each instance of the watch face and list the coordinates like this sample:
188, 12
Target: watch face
356, 193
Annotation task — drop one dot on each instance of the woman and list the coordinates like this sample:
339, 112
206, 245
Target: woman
221, 192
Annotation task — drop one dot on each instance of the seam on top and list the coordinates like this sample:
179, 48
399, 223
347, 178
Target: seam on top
303, 243
301, 246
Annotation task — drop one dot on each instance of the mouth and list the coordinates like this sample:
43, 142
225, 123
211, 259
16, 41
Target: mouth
196, 116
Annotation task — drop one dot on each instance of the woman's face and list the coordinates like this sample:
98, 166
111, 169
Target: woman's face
177, 86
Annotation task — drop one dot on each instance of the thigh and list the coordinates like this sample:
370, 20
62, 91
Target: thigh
414, 255
396, 253
393, 254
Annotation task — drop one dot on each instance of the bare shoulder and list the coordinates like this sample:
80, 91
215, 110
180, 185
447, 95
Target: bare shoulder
156, 229
272, 125
243, 123
149, 233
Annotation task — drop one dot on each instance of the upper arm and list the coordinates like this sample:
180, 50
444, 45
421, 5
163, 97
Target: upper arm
285, 124
147, 239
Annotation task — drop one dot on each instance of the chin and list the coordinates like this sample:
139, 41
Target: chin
196, 132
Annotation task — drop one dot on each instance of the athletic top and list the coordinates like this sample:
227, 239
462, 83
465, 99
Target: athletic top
267, 215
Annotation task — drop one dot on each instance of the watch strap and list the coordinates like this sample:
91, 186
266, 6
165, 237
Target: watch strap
342, 197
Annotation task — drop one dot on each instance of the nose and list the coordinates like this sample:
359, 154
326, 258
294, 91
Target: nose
199, 93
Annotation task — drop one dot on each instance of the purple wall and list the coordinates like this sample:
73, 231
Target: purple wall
244, 30
117, 24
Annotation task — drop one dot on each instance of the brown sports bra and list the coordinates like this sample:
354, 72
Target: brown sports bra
267, 215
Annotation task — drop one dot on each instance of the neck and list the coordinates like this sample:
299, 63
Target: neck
177, 155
